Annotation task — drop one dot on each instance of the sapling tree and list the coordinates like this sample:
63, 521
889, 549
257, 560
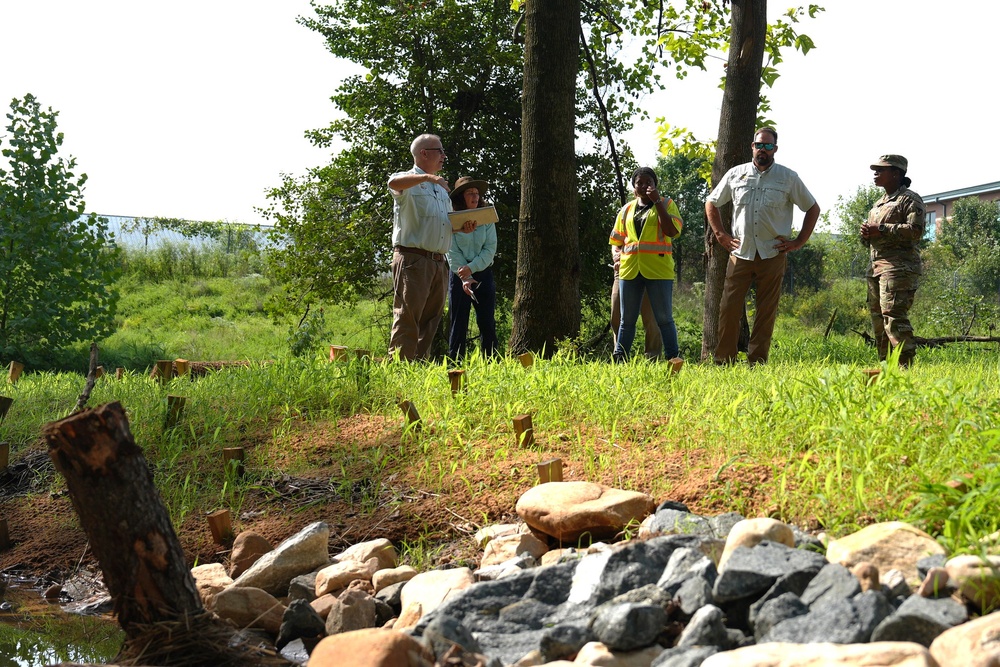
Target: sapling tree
57, 264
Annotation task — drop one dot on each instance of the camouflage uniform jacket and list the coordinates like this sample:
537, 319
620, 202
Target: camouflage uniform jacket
902, 216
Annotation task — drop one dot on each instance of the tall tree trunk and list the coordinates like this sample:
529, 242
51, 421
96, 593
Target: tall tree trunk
120, 510
547, 288
736, 131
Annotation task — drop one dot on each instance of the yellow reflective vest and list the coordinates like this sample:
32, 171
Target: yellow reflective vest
652, 253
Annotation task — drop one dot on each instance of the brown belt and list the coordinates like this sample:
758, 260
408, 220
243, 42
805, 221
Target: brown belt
436, 256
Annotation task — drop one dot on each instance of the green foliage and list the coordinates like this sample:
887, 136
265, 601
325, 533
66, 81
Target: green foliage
307, 337
847, 255
846, 296
171, 260
961, 514
681, 178
971, 225
57, 266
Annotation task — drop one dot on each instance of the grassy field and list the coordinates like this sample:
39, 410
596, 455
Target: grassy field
807, 438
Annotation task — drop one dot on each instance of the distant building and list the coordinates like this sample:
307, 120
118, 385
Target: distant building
939, 204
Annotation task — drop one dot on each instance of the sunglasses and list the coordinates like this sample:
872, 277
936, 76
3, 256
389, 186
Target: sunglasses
767, 147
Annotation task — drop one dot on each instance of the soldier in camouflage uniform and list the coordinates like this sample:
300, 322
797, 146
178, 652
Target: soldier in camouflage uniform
893, 231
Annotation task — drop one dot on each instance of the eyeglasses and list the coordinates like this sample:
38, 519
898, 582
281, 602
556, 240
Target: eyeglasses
767, 147
439, 150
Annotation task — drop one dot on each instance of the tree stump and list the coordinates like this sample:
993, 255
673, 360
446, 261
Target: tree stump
120, 510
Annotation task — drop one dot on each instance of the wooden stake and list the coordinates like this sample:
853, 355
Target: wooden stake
98, 372
361, 354
526, 359
523, 431
457, 378
119, 373
4, 455
550, 471
183, 367
5, 404
15, 371
5, 542
872, 374
410, 414
221, 525
338, 352
675, 365
175, 406
164, 370
234, 454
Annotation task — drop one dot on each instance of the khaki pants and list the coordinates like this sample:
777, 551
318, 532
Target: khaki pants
420, 289
654, 341
767, 274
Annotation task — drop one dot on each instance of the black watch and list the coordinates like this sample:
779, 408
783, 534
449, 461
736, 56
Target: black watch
883, 228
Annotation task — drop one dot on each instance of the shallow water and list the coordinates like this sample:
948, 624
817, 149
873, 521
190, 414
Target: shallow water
34, 633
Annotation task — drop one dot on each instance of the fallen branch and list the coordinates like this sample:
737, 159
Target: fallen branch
940, 341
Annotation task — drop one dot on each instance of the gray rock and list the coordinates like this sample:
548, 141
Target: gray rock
296, 651
834, 582
629, 626
872, 608
528, 614
391, 596
706, 628
835, 622
639, 564
807, 541
300, 621
673, 521
683, 564
564, 640
749, 572
672, 505
920, 620
445, 631
354, 610
894, 585
693, 594
925, 564
721, 524
689, 656
303, 587
383, 612
775, 611
793, 582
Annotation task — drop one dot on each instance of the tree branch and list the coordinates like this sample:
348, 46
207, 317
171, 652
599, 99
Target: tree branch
81, 402
604, 116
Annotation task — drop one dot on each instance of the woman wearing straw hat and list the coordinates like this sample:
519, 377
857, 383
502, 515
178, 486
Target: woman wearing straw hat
472, 285
893, 231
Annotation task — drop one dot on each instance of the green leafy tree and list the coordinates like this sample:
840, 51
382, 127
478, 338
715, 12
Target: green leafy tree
680, 178
847, 255
57, 265
972, 224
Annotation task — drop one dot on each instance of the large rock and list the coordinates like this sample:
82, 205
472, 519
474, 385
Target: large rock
371, 648
248, 547
883, 654
301, 553
887, 546
976, 643
381, 549
569, 510
339, 575
503, 548
751, 532
596, 653
353, 610
385, 578
250, 608
978, 579
426, 591
210, 580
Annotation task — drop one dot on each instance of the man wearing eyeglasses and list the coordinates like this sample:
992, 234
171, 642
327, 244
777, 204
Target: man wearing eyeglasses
763, 194
421, 239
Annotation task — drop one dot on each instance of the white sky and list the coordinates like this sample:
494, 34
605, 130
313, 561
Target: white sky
193, 109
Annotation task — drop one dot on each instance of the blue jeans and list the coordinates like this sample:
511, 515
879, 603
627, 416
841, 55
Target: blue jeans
661, 297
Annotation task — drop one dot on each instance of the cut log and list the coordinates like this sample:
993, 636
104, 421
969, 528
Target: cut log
120, 510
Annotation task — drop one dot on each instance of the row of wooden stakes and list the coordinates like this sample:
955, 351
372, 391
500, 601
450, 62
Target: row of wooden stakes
344, 353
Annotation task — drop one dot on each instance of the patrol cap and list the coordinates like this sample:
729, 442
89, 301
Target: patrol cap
897, 161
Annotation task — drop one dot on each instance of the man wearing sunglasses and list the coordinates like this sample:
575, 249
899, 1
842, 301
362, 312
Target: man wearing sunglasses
763, 194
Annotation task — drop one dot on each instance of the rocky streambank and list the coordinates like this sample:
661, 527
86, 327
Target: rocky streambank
686, 590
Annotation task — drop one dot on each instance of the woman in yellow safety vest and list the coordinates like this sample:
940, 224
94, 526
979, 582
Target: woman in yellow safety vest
642, 235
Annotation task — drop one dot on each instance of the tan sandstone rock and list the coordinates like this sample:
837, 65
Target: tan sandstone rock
502, 549
384, 578
426, 591
887, 546
751, 532
250, 608
381, 549
778, 654
337, 576
596, 653
972, 644
210, 580
371, 648
978, 579
248, 547
570, 510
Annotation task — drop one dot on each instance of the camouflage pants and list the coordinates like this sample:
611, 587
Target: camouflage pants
890, 296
